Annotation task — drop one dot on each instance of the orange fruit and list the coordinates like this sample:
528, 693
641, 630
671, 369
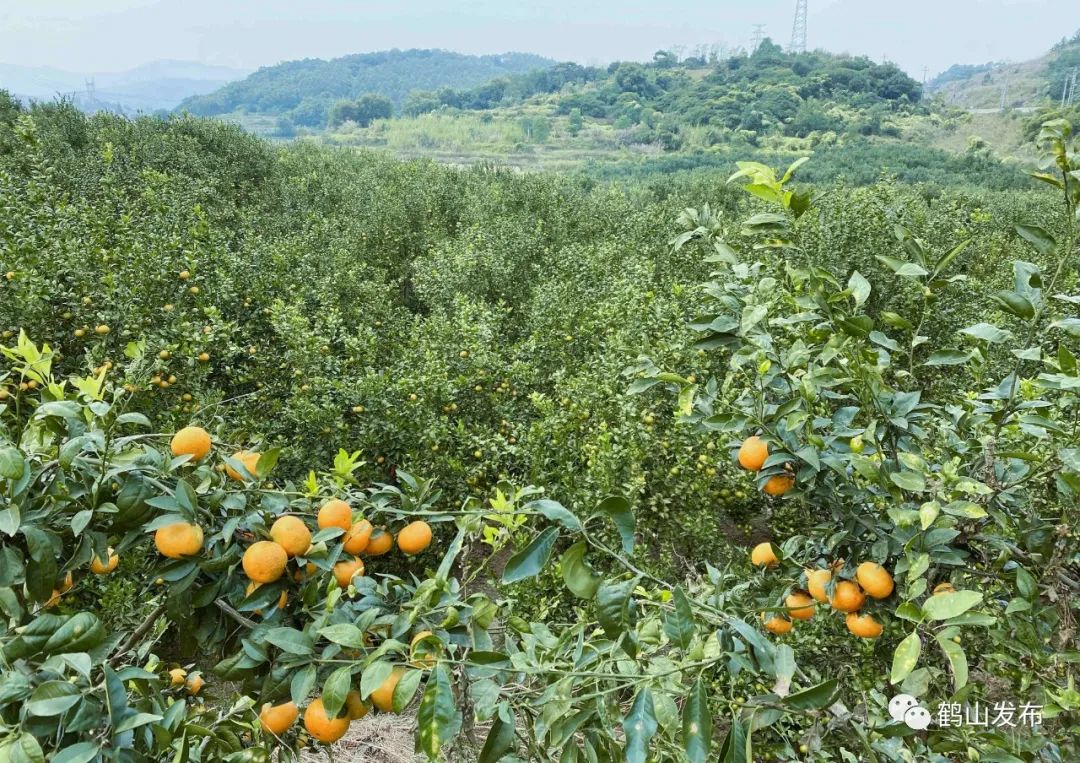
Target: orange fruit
335, 513
800, 606
276, 719
249, 459
752, 453
177, 677
816, 583
358, 536
357, 708
306, 571
321, 726
65, 585
777, 625
52, 600
874, 579
763, 555
191, 441
414, 537
863, 626
99, 567
847, 597
291, 534
778, 484
381, 542
383, 697
178, 540
346, 570
195, 684
944, 588
264, 561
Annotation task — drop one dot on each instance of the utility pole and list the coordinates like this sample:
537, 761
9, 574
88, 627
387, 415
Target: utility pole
1072, 87
758, 38
798, 29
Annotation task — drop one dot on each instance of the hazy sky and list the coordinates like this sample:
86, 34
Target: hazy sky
108, 35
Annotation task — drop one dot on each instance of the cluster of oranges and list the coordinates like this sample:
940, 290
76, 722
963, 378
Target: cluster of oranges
848, 596
265, 561
752, 456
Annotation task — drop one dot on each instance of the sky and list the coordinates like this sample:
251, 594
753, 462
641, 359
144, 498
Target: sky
114, 35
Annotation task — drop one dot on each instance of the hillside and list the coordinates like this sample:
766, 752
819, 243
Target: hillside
149, 87
304, 91
1024, 85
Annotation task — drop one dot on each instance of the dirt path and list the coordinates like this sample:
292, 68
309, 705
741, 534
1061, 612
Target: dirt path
376, 738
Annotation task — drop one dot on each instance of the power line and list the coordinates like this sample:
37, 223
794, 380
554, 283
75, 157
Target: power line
758, 38
798, 29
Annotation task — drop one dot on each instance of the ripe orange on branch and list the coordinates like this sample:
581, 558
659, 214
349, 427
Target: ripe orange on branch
335, 513
291, 534
249, 460
414, 537
752, 453
875, 580
816, 583
98, 567
847, 597
357, 537
381, 542
277, 719
777, 625
346, 570
383, 697
321, 726
799, 606
778, 484
863, 626
264, 561
763, 555
179, 540
191, 441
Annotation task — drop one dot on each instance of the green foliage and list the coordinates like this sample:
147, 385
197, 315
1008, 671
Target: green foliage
305, 90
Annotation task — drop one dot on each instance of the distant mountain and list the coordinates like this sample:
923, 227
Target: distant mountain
304, 91
149, 87
1026, 84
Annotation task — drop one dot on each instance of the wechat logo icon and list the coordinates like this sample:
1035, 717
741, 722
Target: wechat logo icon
905, 708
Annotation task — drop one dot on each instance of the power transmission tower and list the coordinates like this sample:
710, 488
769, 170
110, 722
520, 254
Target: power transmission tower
1072, 87
758, 38
1068, 89
91, 90
798, 29
1005, 91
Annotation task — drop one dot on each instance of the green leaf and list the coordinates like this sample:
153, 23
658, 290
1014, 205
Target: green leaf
11, 463
618, 508
911, 481
957, 660
135, 720
291, 640
697, 724
345, 634
580, 578
906, 657
948, 358
1038, 237
53, 698
736, 744
499, 742
944, 606
640, 727
335, 689
613, 606
405, 689
785, 669
679, 622
438, 719
374, 676
83, 752
814, 698
859, 288
987, 332
533, 558
1016, 304
556, 512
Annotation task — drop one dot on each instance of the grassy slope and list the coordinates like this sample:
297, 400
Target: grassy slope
1027, 86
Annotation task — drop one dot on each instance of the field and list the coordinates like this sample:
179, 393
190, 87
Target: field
676, 457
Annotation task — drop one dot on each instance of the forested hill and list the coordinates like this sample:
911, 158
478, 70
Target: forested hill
305, 90
760, 92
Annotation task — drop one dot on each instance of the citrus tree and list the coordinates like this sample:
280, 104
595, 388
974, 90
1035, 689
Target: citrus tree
938, 483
